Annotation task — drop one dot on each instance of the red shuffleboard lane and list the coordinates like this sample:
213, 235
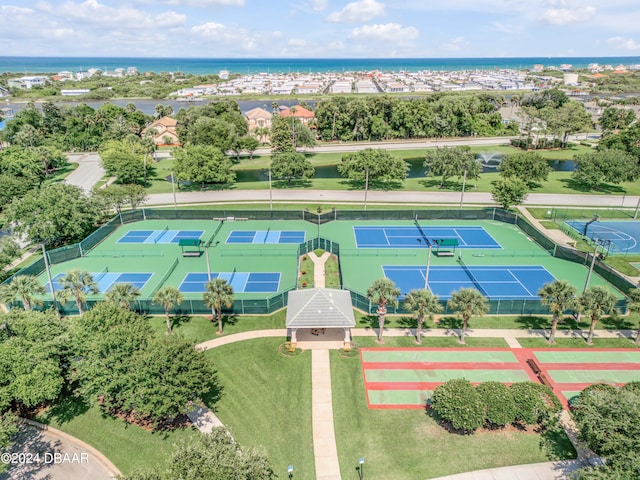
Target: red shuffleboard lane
410, 385
440, 366
589, 366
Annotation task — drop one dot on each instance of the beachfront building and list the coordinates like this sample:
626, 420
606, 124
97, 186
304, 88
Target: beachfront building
341, 86
163, 131
28, 82
365, 86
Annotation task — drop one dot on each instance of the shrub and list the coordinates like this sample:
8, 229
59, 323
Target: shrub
303, 272
458, 402
500, 408
633, 387
535, 403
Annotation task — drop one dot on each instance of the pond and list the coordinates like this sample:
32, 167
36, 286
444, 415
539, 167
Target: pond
490, 163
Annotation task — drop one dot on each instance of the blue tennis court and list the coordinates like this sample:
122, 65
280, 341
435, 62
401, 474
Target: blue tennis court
624, 236
495, 282
106, 280
414, 236
159, 236
242, 282
266, 236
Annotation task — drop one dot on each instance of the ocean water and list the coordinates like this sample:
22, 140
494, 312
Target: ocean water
201, 66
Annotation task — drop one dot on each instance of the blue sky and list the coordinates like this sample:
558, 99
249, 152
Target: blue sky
320, 28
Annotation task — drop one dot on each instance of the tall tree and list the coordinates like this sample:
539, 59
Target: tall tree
218, 293
77, 284
633, 304
281, 136
385, 293
124, 159
508, 192
596, 302
559, 296
291, 165
9, 250
373, 165
203, 164
25, 288
423, 304
122, 294
605, 166
468, 302
452, 162
167, 297
528, 167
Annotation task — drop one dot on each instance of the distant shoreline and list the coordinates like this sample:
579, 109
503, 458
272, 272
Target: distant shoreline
244, 66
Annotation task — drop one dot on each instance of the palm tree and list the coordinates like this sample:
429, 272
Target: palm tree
385, 292
168, 297
122, 294
24, 288
467, 302
423, 304
595, 302
218, 294
77, 284
633, 304
560, 296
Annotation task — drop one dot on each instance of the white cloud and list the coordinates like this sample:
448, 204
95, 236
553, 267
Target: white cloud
200, 3
508, 28
390, 32
622, 43
11, 10
361, 11
454, 45
566, 16
319, 5
297, 42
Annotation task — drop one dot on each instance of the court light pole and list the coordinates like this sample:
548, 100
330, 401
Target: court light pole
366, 187
173, 189
635, 214
270, 193
48, 268
426, 275
464, 183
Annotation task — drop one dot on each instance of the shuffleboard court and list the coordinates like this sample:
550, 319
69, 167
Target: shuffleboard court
446, 356
159, 236
266, 236
405, 378
495, 282
416, 236
594, 376
437, 374
624, 236
554, 356
241, 282
106, 280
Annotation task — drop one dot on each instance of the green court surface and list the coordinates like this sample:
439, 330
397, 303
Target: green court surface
594, 376
426, 376
399, 397
361, 265
554, 356
448, 356
169, 267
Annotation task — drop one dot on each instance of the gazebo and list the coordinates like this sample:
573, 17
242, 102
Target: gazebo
319, 309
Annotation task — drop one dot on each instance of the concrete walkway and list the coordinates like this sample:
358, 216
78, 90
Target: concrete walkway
204, 419
324, 438
88, 173
318, 270
535, 471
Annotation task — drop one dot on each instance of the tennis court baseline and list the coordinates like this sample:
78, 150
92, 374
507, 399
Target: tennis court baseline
241, 282
159, 236
496, 282
106, 280
266, 236
415, 236
624, 236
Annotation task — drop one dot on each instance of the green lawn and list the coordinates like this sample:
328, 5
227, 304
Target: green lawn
332, 272
409, 444
266, 402
307, 269
437, 342
129, 447
199, 328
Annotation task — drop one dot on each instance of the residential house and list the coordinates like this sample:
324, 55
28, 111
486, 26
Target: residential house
163, 131
299, 112
258, 118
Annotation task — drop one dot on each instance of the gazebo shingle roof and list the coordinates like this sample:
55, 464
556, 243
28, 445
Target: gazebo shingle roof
320, 308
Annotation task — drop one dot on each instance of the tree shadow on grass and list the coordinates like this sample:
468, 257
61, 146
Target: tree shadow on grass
213, 396
294, 183
214, 187
617, 322
533, 322
231, 319
384, 186
410, 322
450, 322
370, 321
68, 408
179, 320
573, 184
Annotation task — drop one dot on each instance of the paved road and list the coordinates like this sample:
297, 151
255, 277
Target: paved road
74, 461
88, 173
347, 196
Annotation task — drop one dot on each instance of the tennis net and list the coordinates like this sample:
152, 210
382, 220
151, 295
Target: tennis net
424, 235
157, 239
471, 276
100, 275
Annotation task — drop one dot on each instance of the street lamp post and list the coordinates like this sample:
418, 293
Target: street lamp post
290, 471
173, 189
464, 183
366, 188
270, 193
361, 470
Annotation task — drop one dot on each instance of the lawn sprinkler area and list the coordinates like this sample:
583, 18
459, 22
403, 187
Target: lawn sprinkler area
405, 378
